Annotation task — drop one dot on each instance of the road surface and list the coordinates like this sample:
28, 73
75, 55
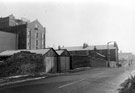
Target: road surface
94, 80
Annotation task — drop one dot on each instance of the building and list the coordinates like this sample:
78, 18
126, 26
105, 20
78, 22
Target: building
8, 41
126, 58
30, 35
50, 57
63, 60
94, 55
99, 49
10, 21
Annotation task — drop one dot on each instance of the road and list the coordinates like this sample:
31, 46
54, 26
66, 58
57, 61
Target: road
94, 80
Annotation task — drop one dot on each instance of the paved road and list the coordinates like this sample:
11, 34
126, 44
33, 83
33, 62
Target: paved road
95, 80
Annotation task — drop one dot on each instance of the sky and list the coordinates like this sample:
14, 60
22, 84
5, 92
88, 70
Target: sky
74, 22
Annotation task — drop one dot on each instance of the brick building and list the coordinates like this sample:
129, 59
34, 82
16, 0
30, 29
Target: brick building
95, 56
7, 41
10, 21
126, 57
98, 50
29, 35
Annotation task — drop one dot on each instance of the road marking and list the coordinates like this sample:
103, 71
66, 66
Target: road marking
15, 82
80, 80
70, 83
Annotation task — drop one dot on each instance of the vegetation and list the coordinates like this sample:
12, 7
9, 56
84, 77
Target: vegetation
128, 86
22, 63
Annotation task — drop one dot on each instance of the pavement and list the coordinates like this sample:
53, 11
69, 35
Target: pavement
25, 78
95, 80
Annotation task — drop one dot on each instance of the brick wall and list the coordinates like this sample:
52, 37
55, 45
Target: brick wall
97, 62
4, 22
7, 41
79, 61
37, 32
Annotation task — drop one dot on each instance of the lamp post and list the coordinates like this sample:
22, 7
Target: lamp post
108, 53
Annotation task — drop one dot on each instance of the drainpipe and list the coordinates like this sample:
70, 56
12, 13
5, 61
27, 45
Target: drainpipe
44, 37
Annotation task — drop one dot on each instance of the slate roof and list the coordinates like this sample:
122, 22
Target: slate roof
11, 52
98, 47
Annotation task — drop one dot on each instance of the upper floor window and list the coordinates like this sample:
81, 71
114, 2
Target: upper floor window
36, 27
28, 34
36, 44
36, 35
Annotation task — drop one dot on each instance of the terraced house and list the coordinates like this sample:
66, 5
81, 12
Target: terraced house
27, 35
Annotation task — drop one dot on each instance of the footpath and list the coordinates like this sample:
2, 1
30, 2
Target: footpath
24, 78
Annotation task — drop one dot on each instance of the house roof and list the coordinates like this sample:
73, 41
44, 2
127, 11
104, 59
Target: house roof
35, 23
11, 52
98, 47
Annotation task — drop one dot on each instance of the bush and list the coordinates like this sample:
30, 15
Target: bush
22, 63
128, 86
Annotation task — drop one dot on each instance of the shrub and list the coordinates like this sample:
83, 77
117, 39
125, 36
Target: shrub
128, 86
22, 63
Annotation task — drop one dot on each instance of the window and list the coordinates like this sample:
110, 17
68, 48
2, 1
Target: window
36, 35
42, 40
36, 40
36, 27
28, 45
28, 34
28, 40
36, 44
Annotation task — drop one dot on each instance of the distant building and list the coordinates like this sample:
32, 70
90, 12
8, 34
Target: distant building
10, 21
30, 35
100, 50
94, 56
8, 41
126, 56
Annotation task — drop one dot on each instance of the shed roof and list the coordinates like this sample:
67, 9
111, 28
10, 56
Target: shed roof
98, 47
61, 51
11, 52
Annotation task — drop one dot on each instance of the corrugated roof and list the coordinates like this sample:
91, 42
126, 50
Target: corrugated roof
98, 47
11, 52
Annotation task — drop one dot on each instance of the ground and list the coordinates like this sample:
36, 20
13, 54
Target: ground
94, 80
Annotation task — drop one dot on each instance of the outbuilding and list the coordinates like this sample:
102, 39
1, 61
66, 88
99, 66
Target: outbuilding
63, 60
50, 57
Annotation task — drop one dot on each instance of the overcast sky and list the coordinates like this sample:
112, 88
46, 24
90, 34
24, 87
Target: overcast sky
73, 22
